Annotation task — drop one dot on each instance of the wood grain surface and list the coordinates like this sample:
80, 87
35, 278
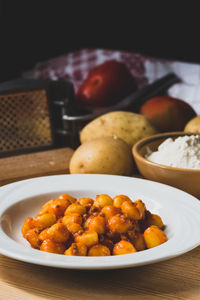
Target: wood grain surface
25, 166
177, 278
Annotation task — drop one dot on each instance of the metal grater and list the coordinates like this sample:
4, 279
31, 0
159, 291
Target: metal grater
31, 116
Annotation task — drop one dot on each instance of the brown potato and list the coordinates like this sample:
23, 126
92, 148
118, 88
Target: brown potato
193, 126
128, 126
106, 155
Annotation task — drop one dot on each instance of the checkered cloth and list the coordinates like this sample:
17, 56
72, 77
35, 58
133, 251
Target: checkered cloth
75, 66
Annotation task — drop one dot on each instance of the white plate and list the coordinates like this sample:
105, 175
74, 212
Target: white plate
179, 211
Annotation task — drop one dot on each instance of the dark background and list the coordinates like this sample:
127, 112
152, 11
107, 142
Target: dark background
33, 31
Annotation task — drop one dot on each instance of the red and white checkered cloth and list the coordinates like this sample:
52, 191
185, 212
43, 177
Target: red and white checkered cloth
75, 66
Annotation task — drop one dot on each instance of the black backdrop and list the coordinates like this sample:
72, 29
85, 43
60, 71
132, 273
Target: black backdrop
33, 31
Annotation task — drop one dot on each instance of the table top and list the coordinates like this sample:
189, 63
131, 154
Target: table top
177, 278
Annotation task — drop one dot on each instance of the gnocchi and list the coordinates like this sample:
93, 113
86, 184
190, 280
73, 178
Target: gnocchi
102, 226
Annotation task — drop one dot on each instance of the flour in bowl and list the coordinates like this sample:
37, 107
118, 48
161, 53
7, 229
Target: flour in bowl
183, 152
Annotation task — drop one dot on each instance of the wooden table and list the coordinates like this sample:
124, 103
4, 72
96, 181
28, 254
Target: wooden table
178, 278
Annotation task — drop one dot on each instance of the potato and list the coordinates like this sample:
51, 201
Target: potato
128, 126
105, 155
193, 126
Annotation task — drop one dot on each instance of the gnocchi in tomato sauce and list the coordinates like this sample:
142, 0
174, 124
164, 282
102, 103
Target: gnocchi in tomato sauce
102, 226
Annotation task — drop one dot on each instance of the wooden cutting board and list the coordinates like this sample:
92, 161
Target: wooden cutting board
42, 163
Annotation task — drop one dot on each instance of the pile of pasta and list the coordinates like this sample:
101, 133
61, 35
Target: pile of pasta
101, 227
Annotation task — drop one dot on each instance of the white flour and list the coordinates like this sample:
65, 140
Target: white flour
183, 152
